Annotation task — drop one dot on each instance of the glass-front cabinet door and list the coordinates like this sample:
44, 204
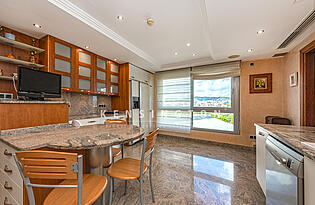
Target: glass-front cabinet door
101, 75
84, 71
114, 78
62, 63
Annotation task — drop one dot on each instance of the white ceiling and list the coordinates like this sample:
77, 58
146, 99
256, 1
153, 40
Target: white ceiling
215, 29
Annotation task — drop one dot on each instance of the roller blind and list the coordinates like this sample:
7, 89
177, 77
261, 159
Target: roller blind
173, 100
216, 71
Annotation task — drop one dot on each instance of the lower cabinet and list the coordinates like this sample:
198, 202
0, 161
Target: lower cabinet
309, 181
261, 158
11, 183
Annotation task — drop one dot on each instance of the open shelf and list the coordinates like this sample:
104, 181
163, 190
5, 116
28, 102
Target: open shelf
20, 45
5, 77
20, 62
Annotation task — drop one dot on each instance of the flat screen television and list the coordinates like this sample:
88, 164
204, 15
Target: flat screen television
35, 84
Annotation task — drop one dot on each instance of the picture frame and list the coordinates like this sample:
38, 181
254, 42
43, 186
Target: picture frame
260, 83
293, 79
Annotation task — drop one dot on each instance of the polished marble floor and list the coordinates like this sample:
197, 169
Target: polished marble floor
195, 172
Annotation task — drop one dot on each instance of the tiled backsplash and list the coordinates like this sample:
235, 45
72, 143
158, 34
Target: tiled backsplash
82, 104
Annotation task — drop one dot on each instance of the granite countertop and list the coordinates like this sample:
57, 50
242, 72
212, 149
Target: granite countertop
15, 101
292, 136
63, 136
80, 117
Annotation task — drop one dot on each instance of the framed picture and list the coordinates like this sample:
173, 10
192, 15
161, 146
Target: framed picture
293, 79
260, 83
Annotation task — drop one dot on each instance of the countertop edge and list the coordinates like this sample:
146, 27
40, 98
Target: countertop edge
286, 142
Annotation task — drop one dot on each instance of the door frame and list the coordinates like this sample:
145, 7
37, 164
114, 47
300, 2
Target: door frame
303, 77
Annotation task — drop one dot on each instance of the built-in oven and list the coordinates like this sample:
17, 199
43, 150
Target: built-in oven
284, 174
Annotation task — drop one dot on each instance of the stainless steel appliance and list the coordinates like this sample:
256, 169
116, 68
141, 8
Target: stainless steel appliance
284, 174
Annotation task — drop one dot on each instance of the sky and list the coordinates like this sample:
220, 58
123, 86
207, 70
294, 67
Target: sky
212, 88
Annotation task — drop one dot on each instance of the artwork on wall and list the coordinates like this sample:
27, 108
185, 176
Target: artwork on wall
260, 83
293, 79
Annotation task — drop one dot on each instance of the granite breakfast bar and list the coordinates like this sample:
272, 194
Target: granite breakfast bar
93, 142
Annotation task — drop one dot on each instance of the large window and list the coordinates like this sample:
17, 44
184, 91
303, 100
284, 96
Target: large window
216, 104
204, 97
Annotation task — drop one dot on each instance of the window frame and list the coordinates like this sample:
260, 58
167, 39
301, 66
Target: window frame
235, 108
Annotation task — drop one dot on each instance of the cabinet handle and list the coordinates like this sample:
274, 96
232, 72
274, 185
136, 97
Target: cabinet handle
7, 170
7, 153
6, 201
6, 186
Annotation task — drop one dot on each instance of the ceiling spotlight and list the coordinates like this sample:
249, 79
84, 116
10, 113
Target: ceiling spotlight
193, 54
234, 56
86, 47
175, 53
261, 31
120, 18
37, 25
250, 50
115, 59
188, 44
150, 21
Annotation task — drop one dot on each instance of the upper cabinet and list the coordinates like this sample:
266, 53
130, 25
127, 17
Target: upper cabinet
62, 62
101, 75
141, 75
81, 70
114, 78
85, 71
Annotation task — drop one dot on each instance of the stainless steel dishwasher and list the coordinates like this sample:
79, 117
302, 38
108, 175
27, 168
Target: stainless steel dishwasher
284, 174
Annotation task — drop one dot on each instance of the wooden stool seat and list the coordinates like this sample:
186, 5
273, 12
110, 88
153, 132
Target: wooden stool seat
93, 187
116, 151
126, 169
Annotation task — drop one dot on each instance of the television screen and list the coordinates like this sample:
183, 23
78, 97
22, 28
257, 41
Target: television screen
43, 83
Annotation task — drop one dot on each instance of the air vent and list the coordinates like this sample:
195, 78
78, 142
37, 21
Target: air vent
299, 30
279, 55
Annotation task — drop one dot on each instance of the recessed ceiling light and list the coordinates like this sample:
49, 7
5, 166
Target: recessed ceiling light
86, 47
193, 54
188, 44
261, 31
37, 25
150, 21
175, 53
120, 18
234, 56
250, 50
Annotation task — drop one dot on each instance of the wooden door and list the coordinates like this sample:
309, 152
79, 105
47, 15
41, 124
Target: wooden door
308, 85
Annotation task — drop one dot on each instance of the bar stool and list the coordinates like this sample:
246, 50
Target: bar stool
59, 165
134, 169
115, 150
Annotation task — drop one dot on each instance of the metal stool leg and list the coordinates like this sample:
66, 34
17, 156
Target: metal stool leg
125, 187
152, 191
111, 191
141, 191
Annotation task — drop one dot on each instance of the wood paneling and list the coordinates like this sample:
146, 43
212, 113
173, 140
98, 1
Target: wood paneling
27, 115
121, 102
307, 108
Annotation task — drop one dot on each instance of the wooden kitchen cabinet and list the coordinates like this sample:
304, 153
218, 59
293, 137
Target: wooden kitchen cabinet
81, 70
113, 78
261, 137
61, 60
84, 71
101, 75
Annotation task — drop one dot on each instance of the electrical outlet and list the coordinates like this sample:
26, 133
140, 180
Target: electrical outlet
252, 137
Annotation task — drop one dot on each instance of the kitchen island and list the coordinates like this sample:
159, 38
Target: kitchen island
93, 142
297, 138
